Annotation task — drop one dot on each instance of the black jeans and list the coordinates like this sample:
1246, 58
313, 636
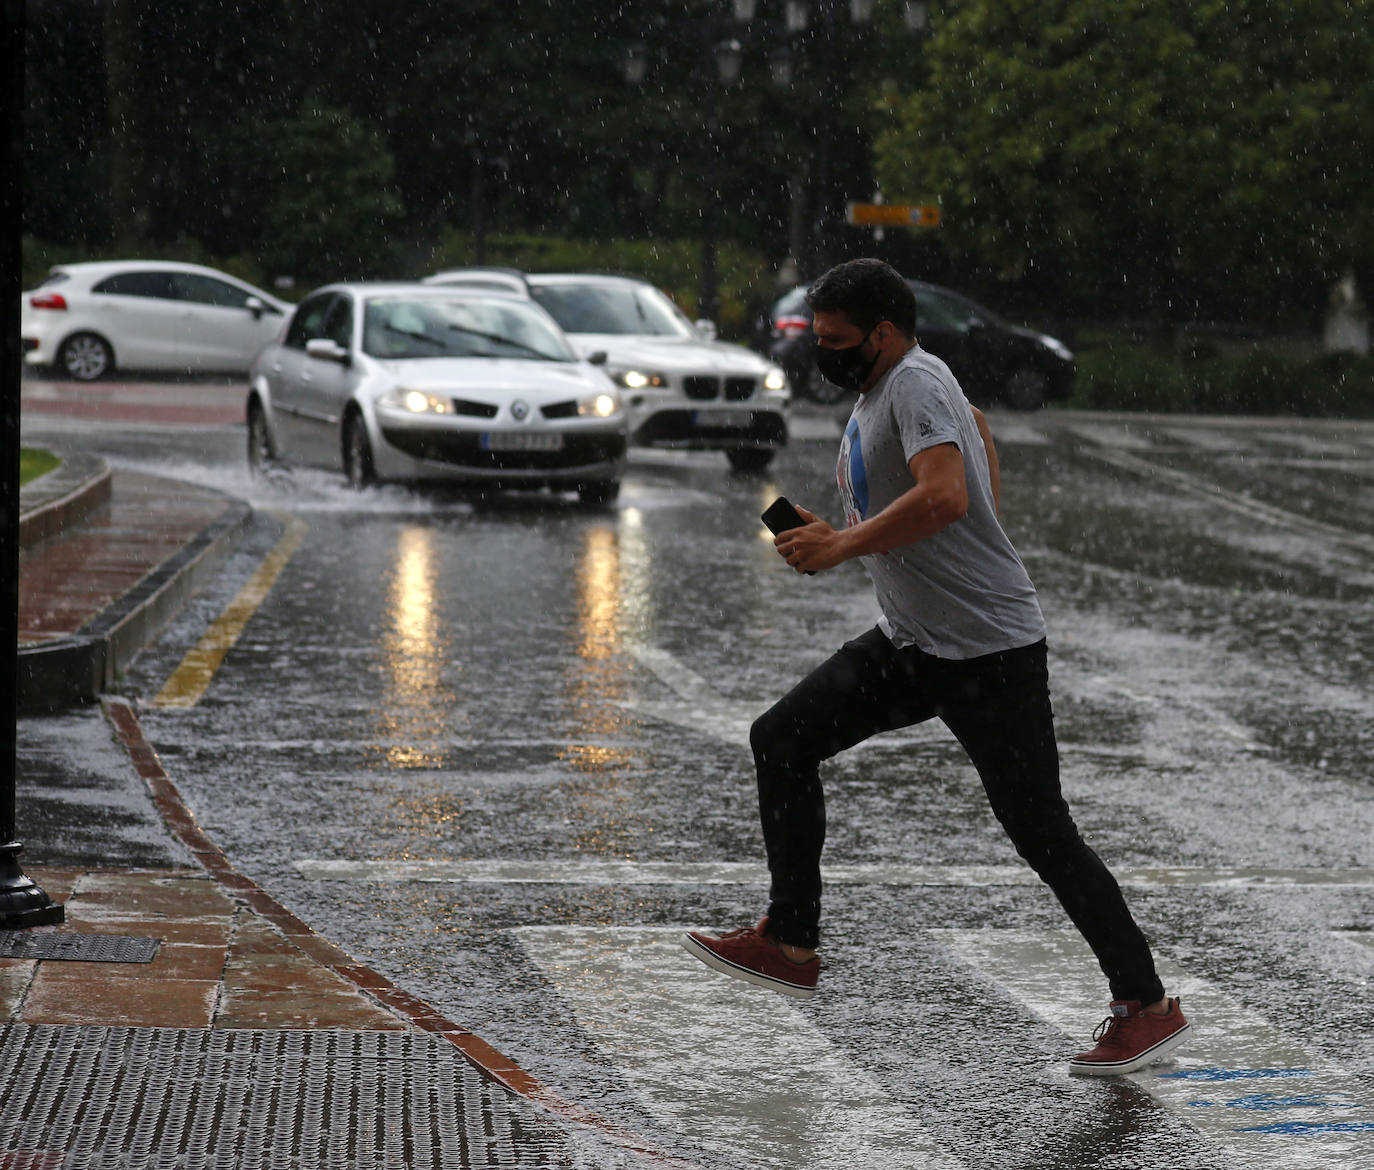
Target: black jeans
998, 707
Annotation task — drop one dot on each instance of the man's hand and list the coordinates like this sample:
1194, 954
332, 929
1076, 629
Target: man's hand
812, 548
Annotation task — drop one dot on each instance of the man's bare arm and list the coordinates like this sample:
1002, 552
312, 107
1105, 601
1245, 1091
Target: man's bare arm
994, 470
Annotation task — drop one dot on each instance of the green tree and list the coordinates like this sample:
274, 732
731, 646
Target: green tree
1179, 159
334, 211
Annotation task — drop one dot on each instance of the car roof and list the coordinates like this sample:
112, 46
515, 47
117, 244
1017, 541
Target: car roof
99, 267
372, 288
519, 281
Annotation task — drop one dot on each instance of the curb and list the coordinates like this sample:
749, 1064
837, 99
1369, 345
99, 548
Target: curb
65, 496
492, 1064
78, 669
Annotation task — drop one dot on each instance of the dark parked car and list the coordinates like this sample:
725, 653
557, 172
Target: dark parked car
995, 362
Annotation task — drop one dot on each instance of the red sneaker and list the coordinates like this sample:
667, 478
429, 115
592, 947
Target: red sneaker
1130, 1038
749, 954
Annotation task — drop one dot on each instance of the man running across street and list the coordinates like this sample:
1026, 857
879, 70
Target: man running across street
961, 638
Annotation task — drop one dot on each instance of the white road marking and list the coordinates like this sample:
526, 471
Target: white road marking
1361, 938
1206, 438
1009, 429
607, 872
702, 709
1236, 502
1117, 435
1245, 1085
743, 1072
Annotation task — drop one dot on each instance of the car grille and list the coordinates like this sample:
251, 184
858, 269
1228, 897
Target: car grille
705, 388
474, 409
464, 449
559, 410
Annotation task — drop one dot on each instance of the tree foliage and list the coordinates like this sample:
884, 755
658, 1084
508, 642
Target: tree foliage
1150, 158
1188, 159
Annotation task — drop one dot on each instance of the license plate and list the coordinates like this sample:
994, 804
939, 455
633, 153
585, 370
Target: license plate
522, 441
722, 418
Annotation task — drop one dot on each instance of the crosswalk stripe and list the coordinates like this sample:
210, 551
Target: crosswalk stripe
1245, 1085
743, 1072
609, 872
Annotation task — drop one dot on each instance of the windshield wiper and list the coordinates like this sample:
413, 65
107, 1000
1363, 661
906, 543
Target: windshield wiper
499, 340
417, 336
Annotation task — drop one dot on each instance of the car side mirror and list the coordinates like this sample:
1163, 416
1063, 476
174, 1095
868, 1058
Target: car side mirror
328, 351
255, 306
599, 358
707, 329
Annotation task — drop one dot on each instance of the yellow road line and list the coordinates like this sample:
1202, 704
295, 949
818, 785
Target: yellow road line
192, 678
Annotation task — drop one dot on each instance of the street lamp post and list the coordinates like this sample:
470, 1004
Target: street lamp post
722, 58
818, 245
22, 902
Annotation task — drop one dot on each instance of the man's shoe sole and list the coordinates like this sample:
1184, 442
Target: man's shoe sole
746, 974
1116, 1068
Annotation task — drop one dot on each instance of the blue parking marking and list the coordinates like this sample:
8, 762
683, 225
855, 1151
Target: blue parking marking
1233, 1074
1267, 1103
1311, 1128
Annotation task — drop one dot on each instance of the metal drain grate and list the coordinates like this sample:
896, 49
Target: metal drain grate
89, 948
177, 1099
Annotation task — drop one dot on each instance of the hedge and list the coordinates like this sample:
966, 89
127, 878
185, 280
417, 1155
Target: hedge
1125, 376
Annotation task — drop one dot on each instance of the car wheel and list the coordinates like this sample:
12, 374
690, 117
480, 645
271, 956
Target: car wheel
1025, 389
85, 357
598, 492
750, 458
357, 453
260, 453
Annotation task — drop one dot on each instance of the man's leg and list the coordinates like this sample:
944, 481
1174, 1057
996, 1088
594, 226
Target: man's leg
862, 689
999, 709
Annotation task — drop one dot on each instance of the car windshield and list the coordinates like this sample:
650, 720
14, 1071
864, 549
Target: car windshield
612, 308
435, 327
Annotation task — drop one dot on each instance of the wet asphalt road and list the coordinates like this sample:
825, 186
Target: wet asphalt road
445, 717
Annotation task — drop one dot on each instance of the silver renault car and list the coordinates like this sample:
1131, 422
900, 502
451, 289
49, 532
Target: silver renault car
682, 387
410, 383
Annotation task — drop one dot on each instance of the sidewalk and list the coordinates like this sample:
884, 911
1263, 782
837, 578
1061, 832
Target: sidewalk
181, 1017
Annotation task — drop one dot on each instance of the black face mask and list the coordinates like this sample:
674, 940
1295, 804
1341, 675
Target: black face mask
847, 368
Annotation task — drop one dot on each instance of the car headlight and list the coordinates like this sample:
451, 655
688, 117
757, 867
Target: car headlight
637, 379
774, 380
416, 401
1056, 347
602, 405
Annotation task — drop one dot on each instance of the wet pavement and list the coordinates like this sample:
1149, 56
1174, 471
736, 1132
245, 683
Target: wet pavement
495, 755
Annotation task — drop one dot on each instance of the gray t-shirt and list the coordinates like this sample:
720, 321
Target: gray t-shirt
962, 592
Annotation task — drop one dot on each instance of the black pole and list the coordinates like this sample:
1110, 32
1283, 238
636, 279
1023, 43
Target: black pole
708, 296
22, 902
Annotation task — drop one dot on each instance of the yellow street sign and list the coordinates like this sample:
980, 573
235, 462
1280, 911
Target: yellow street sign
892, 215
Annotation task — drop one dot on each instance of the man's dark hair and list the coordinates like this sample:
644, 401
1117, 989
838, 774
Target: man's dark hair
866, 291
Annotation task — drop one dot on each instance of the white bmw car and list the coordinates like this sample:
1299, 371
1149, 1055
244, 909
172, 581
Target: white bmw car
403, 382
682, 387
86, 320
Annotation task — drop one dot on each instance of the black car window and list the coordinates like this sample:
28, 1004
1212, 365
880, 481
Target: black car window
309, 320
338, 325
936, 312
620, 309
206, 290
137, 284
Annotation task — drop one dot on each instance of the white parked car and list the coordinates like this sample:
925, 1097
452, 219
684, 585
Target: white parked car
682, 387
410, 383
86, 320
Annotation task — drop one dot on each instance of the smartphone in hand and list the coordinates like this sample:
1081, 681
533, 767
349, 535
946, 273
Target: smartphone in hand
780, 516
